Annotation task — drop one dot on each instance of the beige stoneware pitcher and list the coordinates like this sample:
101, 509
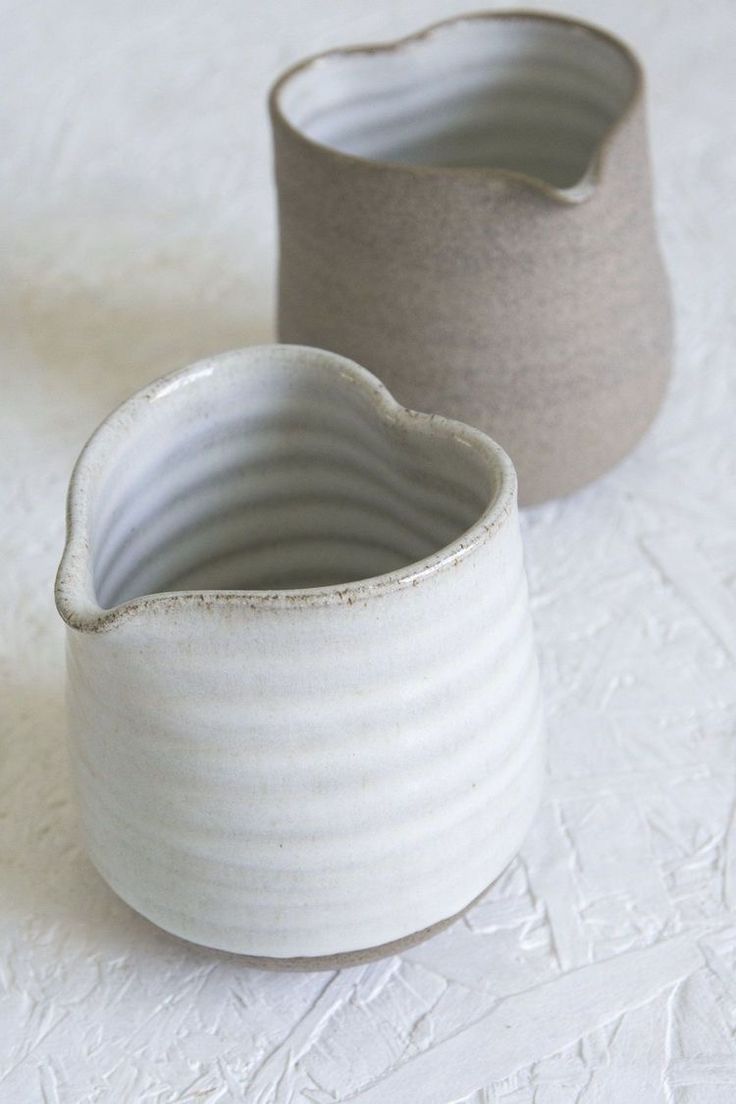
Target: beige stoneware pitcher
468, 213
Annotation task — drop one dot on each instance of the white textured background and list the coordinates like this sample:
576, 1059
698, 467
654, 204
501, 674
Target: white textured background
137, 226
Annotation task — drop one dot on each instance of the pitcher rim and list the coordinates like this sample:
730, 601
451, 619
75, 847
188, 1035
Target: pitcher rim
74, 591
567, 196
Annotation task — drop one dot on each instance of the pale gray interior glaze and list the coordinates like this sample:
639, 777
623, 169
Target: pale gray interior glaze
526, 95
276, 481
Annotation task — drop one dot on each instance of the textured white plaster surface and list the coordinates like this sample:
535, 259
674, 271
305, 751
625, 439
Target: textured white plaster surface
138, 233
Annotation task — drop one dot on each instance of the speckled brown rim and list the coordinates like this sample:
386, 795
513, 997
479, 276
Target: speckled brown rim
73, 591
565, 196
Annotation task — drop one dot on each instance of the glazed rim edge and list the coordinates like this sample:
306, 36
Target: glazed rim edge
567, 196
74, 592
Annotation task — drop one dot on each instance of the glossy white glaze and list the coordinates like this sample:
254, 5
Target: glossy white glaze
529, 95
304, 704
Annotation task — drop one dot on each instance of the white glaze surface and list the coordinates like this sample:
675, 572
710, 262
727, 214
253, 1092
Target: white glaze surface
281, 771
138, 229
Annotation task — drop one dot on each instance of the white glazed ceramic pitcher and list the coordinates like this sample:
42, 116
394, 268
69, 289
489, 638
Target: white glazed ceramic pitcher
304, 706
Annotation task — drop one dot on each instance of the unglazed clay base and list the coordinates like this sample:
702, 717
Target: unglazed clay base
315, 963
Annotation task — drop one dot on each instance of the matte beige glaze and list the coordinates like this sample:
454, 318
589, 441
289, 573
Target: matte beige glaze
538, 313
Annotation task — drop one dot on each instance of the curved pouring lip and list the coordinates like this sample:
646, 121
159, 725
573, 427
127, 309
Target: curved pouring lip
569, 196
75, 592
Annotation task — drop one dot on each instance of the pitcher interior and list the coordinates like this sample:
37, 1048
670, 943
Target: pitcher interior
529, 95
275, 478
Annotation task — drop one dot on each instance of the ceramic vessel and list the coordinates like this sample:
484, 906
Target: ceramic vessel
304, 707
468, 213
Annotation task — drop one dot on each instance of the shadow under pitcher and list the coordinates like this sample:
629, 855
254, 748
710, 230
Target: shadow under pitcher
468, 213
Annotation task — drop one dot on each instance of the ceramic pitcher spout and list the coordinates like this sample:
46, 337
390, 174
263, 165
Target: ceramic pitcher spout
74, 590
92, 500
